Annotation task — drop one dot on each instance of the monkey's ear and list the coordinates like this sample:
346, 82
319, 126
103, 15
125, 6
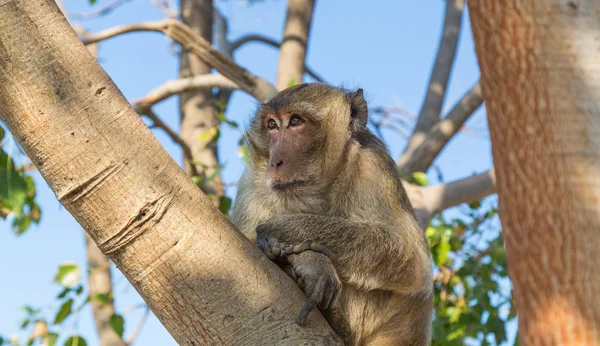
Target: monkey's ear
359, 112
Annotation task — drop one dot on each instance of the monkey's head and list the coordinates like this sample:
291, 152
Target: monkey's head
302, 134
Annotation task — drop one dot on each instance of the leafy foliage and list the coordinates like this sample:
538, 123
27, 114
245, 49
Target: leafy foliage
46, 324
470, 260
17, 194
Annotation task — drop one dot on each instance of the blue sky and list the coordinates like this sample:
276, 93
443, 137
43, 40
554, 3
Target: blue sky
385, 47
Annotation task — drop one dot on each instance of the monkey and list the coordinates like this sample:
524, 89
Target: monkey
322, 197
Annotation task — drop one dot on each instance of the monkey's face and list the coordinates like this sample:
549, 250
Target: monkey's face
290, 149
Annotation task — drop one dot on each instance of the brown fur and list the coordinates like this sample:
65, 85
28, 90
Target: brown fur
356, 205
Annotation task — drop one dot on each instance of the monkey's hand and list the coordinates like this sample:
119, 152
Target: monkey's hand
316, 276
312, 270
275, 249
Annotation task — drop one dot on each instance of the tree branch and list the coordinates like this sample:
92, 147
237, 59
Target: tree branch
421, 158
180, 33
428, 201
271, 42
438, 82
178, 86
100, 12
292, 54
139, 326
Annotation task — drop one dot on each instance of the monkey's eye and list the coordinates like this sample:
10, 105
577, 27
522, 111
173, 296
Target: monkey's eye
295, 120
271, 124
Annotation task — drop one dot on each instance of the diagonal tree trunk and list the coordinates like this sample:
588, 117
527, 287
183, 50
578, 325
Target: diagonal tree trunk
541, 84
197, 108
295, 41
99, 277
203, 280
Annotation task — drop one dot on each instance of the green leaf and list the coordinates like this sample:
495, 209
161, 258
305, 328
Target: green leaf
211, 134
441, 252
225, 205
420, 178
457, 333
2, 134
1, 341
197, 180
475, 204
25, 323
30, 310
221, 117
64, 311
79, 290
118, 324
102, 298
75, 340
51, 339
63, 293
92, 2
68, 275
292, 82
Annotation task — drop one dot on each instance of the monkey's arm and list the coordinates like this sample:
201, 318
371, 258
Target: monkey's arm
370, 256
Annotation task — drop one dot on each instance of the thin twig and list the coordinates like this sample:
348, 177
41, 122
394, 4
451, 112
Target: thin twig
271, 42
156, 122
395, 109
165, 8
139, 326
100, 12
182, 34
395, 128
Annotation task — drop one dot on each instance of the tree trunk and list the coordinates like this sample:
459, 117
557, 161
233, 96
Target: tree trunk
203, 280
100, 282
98, 265
541, 85
197, 108
295, 41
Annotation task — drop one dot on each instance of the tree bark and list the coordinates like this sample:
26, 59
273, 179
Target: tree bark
295, 41
98, 265
203, 280
541, 85
100, 282
197, 108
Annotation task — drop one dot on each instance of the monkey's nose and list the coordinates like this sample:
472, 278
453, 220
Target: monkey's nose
276, 163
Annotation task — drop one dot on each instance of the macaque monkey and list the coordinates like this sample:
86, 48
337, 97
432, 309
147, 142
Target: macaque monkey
322, 197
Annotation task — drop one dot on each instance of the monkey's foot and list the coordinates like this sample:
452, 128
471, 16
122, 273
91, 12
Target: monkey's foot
274, 249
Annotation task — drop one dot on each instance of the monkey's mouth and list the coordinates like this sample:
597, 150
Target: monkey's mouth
287, 185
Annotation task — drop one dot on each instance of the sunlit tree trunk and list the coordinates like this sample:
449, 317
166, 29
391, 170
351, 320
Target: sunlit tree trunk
295, 42
197, 108
99, 272
203, 280
541, 83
